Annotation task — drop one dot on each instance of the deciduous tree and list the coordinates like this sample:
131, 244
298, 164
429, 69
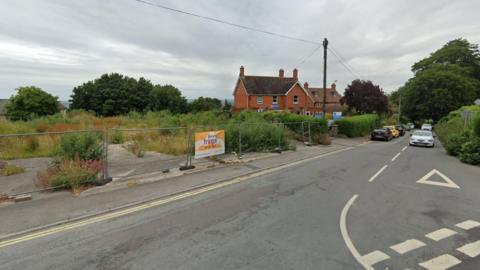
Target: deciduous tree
31, 101
365, 97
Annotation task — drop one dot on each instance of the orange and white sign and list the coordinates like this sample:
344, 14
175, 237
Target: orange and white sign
209, 143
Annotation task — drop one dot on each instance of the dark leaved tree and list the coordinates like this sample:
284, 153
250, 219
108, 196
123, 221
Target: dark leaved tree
365, 97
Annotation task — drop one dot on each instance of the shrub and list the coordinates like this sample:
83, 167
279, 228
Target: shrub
294, 121
9, 169
454, 143
116, 137
256, 137
476, 125
85, 146
357, 126
69, 173
470, 151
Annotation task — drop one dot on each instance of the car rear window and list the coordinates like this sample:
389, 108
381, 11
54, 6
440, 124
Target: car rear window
422, 133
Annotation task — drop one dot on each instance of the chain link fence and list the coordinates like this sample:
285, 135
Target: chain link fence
33, 162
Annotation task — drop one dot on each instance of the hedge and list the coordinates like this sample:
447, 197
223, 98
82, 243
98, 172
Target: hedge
293, 121
359, 125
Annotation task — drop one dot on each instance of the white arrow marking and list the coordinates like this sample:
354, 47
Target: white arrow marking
448, 182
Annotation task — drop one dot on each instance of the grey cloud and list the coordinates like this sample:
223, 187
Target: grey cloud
59, 44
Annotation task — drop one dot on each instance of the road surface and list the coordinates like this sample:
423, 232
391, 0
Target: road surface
362, 208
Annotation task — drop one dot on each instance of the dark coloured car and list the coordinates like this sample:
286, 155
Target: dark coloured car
400, 129
384, 134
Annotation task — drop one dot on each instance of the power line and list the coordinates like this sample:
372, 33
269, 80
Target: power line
308, 56
342, 62
227, 22
339, 58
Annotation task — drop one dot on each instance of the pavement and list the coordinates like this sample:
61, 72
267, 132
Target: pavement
382, 205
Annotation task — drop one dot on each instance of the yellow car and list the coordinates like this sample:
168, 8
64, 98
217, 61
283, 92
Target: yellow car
395, 132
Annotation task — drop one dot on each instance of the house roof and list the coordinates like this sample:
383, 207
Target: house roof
265, 85
332, 95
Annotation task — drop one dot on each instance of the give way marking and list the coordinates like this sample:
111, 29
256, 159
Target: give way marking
447, 181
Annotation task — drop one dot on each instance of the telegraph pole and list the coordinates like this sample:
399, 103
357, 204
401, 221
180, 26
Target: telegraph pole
325, 45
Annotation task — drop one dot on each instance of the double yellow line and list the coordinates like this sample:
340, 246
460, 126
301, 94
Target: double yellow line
147, 205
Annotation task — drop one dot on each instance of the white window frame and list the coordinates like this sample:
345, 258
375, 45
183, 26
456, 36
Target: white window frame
259, 100
275, 100
297, 98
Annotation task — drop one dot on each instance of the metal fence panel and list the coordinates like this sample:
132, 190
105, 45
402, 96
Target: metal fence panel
34, 162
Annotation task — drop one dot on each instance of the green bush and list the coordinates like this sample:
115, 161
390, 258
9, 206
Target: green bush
476, 125
116, 137
256, 137
454, 143
293, 121
470, 151
357, 126
85, 146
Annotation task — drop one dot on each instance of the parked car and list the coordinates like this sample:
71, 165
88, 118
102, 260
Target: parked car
409, 126
381, 134
400, 129
422, 138
427, 127
394, 131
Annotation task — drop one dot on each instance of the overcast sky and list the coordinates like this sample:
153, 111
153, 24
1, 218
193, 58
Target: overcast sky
58, 44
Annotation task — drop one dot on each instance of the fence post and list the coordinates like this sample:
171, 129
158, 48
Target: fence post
309, 135
303, 132
279, 127
239, 140
188, 165
106, 177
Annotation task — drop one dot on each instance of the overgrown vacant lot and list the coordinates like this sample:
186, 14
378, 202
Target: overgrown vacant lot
259, 132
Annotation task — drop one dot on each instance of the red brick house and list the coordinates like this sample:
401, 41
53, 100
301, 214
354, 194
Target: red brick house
333, 98
279, 93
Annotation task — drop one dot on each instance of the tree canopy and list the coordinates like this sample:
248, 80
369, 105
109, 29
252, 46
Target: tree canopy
205, 104
442, 82
31, 101
365, 97
167, 97
112, 94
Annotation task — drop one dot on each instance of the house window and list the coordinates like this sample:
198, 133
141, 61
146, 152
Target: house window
259, 100
275, 100
295, 99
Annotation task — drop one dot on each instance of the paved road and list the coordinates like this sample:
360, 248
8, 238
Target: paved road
342, 211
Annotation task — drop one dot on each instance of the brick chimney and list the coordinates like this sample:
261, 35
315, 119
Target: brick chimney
305, 85
242, 71
281, 73
295, 73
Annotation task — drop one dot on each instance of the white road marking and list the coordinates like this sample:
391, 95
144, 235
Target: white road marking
407, 246
467, 225
448, 182
404, 148
346, 236
440, 234
472, 249
395, 157
375, 257
441, 262
377, 174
